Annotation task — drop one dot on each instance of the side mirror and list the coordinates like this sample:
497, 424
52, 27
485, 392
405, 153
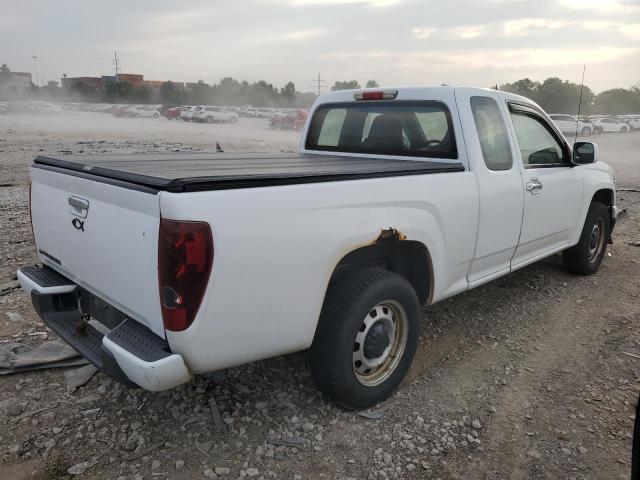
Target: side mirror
585, 152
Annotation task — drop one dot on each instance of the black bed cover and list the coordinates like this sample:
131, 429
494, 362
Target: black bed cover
177, 172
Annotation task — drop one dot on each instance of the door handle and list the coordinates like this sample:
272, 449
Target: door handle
534, 186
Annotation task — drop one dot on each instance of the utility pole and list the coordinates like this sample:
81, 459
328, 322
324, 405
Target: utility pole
319, 84
35, 65
116, 64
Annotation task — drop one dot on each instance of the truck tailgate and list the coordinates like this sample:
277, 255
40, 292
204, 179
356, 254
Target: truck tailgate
101, 236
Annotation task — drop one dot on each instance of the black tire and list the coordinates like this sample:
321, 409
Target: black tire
586, 131
582, 259
623, 130
351, 299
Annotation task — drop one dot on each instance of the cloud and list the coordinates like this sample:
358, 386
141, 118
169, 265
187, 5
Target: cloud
495, 58
372, 3
423, 32
631, 30
297, 35
605, 6
522, 26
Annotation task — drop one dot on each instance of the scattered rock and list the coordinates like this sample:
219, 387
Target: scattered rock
14, 317
222, 471
14, 409
80, 468
533, 453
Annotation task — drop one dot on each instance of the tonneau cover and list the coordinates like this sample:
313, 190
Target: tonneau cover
178, 172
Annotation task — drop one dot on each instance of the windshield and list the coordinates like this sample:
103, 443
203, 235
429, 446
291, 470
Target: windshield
384, 128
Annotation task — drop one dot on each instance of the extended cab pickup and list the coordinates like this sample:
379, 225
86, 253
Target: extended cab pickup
159, 267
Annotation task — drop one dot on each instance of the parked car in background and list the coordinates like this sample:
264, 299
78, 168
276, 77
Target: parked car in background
142, 111
263, 112
595, 129
609, 125
188, 114
632, 120
119, 110
39, 106
212, 114
289, 120
173, 113
569, 125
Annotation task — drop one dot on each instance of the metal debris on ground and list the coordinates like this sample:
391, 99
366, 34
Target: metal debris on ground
9, 287
375, 414
17, 357
215, 413
74, 379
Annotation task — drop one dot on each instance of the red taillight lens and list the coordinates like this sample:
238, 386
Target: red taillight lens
185, 256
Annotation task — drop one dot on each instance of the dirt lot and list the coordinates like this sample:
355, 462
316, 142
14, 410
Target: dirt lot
535, 375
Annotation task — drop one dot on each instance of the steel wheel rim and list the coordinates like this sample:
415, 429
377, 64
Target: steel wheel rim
596, 240
374, 370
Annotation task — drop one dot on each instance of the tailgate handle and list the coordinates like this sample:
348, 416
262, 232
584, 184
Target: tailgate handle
79, 206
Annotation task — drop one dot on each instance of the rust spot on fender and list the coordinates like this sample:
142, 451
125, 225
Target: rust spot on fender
389, 235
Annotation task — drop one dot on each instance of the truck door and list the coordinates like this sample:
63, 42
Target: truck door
492, 159
552, 188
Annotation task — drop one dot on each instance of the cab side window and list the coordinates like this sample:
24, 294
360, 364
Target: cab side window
492, 132
537, 145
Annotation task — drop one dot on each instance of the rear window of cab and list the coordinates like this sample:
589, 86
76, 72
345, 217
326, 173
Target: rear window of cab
401, 128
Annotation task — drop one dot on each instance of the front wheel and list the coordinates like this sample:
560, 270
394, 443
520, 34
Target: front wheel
585, 257
623, 130
586, 131
366, 337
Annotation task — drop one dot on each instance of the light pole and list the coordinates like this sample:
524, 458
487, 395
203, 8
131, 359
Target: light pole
35, 65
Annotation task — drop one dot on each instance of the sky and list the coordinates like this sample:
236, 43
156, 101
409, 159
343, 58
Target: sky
395, 42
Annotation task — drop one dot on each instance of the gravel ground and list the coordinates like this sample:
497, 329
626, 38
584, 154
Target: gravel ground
535, 375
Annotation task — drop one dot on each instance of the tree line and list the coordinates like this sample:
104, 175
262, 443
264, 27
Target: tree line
553, 94
228, 92
561, 96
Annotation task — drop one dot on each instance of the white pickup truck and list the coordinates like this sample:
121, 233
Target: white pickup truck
159, 267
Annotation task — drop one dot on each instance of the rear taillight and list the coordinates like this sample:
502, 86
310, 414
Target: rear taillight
376, 95
185, 256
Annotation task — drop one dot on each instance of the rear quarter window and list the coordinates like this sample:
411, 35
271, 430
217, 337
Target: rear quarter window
492, 133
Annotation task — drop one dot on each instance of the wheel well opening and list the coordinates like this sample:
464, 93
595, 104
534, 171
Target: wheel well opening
604, 196
405, 257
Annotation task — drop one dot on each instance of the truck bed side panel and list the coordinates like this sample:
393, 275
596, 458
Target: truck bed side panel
276, 248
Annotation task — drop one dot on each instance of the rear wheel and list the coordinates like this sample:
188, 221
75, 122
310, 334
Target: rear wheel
209, 119
366, 337
586, 131
585, 257
623, 130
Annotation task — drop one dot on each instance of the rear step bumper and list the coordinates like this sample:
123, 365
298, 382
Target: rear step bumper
130, 353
